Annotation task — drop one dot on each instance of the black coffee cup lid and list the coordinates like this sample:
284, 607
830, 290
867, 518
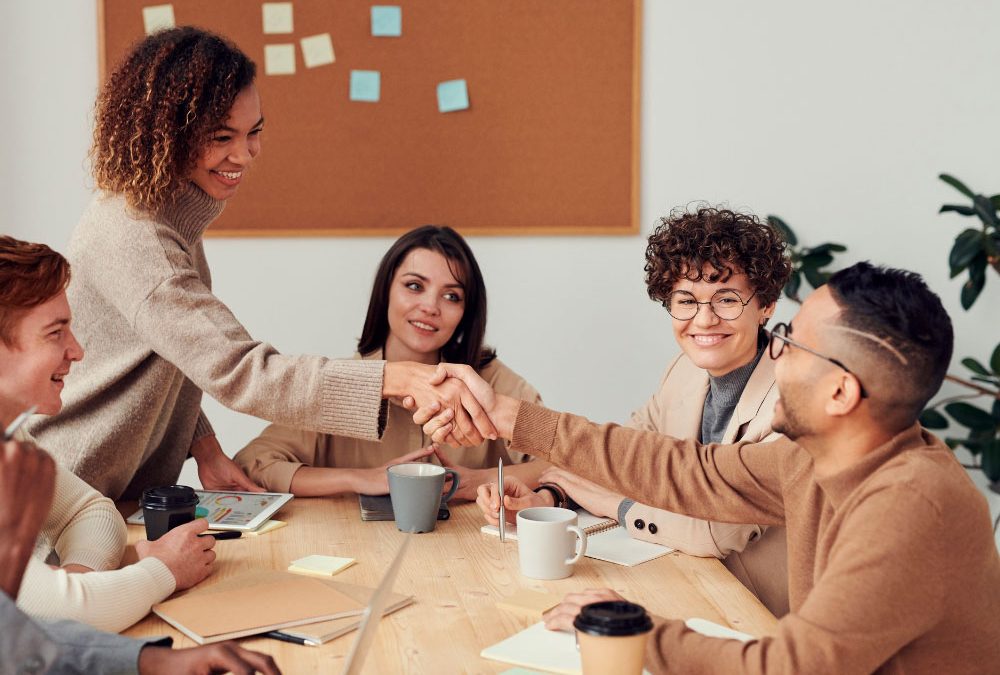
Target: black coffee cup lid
170, 495
613, 618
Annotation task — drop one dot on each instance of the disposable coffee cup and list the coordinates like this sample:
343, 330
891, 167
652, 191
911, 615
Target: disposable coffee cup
612, 637
166, 507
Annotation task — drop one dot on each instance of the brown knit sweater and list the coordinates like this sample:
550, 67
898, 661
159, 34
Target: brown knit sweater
892, 563
155, 338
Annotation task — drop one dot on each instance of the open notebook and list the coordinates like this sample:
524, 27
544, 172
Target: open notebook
606, 540
556, 652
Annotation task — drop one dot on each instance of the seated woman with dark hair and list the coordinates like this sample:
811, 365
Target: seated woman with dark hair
719, 274
428, 304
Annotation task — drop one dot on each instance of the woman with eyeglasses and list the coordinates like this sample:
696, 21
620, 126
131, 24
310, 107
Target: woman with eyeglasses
719, 274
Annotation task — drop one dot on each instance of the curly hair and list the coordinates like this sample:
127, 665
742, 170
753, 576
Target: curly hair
30, 275
158, 110
684, 243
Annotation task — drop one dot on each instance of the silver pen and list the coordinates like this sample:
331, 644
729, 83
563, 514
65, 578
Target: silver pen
18, 421
503, 515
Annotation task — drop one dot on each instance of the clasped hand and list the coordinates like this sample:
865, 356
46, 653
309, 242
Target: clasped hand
458, 412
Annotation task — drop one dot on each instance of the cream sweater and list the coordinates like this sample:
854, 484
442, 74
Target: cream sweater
84, 528
156, 338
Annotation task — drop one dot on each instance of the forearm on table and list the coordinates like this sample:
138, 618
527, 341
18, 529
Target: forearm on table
313, 481
527, 472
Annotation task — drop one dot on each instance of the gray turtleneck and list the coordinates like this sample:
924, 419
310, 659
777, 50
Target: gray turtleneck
724, 393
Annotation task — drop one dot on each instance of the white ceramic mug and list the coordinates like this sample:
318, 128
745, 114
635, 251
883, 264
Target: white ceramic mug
546, 542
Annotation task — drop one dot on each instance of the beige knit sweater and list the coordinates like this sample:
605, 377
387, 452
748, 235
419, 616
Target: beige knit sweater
156, 337
892, 564
84, 528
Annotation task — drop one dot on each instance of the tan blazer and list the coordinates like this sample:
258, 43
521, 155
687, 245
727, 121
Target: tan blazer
676, 410
272, 458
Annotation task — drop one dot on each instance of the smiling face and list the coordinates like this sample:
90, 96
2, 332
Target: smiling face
717, 345
231, 148
33, 366
426, 304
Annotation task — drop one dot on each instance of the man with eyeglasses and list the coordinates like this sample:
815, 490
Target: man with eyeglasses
892, 562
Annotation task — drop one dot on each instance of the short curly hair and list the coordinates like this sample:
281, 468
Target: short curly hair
30, 275
685, 242
158, 110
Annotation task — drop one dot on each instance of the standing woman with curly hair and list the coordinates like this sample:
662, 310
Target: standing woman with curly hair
719, 274
177, 125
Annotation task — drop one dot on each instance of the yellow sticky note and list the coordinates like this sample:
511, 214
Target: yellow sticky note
157, 17
317, 50
529, 603
320, 565
269, 526
277, 17
279, 59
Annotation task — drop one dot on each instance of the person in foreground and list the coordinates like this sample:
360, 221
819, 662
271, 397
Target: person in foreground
428, 304
82, 530
892, 562
719, 274
177, 125
27, 480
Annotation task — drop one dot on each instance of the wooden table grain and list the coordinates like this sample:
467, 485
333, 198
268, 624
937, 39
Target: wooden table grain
456, 575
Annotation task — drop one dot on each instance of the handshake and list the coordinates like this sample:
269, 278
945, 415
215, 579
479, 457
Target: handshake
452, 403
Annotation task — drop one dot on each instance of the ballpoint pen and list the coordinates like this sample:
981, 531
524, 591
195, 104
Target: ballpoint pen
229, 534
8, 433
503, 515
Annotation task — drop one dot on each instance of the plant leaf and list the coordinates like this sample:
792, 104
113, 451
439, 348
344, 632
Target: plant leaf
996, 409
990, 461
957, 208
786, 232
932, 419
985, 210
987, 380
977, 279
957, 184
816, 259
814, 276
995, 360
952, 442
824, 248
996, 201
967, 244
975, 366
792, 287
970, 416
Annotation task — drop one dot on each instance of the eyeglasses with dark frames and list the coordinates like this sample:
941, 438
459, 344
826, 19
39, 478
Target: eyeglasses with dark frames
779, 338
725, 304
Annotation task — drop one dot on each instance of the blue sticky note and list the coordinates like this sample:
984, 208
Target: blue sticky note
452, 95
366, 85
387, 20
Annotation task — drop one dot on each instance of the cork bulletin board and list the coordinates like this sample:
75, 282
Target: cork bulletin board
548, 142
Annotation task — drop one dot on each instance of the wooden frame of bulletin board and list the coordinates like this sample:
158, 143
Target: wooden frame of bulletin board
549, 143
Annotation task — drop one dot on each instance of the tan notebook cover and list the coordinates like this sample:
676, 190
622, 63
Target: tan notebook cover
255, 603
328, 630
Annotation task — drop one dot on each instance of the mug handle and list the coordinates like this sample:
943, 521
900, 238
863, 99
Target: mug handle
454, 484
582, 536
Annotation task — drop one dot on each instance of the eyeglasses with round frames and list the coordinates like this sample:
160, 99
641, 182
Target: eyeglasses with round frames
727, 305
779, 338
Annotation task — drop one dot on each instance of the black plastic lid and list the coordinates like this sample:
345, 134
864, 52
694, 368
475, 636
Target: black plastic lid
169, 496
614, 618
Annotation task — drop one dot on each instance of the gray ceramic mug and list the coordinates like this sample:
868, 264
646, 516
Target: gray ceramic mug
415, 490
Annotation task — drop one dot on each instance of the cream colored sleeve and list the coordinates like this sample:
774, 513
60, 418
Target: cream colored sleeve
271, 459
111, 600
83, 527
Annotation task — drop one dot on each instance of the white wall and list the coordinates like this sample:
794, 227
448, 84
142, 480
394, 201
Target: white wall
836, 116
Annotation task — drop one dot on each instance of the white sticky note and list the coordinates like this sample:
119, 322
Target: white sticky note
277, 17
320, 565
317, 50
157, 17
279, 59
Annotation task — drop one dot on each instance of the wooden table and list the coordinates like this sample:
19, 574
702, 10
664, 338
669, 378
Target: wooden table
456, 575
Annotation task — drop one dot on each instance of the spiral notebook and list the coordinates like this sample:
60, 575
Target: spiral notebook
606, 540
